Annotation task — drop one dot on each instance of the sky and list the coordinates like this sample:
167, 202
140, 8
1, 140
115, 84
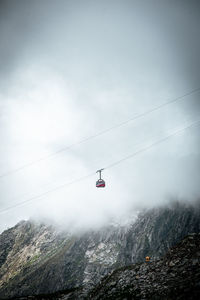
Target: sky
72, 69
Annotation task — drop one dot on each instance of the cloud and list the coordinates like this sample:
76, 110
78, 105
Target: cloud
72, 69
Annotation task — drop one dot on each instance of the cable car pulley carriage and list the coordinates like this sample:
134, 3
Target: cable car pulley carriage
100, 183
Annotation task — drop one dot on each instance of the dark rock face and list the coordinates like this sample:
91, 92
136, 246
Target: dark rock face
175, 276
157, 230
152, 234
7, 240
38, 259
43, 260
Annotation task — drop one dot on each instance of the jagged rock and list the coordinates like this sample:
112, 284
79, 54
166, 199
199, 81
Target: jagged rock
39, 259
154, 280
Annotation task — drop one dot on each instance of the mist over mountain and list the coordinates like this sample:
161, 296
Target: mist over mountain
90, 85
40, 259
72, 69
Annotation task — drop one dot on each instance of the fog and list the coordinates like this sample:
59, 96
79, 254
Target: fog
73, 69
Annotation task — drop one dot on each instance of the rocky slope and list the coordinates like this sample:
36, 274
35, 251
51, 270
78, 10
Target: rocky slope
175, 276
39, 259
156, 230
44, 260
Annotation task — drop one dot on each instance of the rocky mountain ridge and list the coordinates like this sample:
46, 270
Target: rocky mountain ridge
39, 259
175, 276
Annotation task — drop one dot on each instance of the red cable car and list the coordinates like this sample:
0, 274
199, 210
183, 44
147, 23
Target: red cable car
100, 183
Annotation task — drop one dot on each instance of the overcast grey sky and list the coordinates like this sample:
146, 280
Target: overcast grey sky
70, 69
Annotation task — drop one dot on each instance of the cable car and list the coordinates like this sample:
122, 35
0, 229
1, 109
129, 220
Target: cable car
100, 183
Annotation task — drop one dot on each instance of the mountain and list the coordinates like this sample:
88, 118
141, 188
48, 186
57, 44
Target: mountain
175, 276
40, 259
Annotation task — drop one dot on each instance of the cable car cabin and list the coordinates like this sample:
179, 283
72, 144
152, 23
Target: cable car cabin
100, 183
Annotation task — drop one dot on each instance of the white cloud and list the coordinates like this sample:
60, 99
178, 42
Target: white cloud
85, 68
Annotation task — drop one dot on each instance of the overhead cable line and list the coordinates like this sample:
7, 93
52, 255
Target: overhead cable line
53, 154
154, 144
47, 192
